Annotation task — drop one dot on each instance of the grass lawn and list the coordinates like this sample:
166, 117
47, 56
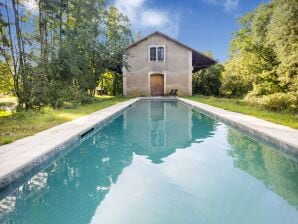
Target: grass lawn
238, 105
20, 125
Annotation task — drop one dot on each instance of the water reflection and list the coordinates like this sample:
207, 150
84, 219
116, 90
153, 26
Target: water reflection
278, 173
70, 190
73, 188
157, 129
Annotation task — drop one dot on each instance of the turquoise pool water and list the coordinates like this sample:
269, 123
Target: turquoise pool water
160, 162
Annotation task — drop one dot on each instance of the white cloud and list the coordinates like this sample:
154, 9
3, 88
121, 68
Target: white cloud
129, 7
147, 19
229, 5
154, 18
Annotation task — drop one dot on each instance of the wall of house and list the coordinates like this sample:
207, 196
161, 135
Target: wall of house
177, 68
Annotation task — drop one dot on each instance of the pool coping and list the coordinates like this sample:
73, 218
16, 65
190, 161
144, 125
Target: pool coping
284, 138
22, 156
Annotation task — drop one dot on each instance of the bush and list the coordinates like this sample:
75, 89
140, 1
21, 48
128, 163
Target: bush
207, 81
275, 101
40, 92
85, 98
234, 86
64, 94
266, 83
6, 80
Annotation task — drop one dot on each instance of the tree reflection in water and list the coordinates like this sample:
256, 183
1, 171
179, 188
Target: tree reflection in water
75, 185
277, 172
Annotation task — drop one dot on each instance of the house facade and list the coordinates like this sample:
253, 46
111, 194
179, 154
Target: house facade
158, 63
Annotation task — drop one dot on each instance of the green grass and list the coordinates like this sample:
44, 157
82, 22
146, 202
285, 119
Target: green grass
240, 106
14, 126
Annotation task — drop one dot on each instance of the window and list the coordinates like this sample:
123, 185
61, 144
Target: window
156, 53
160, 53
152, 53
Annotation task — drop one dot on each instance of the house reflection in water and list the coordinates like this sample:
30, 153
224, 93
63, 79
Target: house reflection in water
85, 175
159, 128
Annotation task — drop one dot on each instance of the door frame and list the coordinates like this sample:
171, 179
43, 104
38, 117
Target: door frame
164, 81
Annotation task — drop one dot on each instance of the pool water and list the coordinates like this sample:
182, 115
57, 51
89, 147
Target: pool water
160, 162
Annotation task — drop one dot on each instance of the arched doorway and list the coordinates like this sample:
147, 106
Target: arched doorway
157, 85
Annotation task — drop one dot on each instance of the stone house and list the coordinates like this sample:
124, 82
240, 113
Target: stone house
157, 63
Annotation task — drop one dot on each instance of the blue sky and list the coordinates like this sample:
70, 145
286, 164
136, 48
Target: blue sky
201, 24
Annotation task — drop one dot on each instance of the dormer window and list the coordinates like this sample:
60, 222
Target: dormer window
156, 53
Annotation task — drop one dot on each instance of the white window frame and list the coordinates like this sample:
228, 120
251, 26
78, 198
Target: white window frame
156, 52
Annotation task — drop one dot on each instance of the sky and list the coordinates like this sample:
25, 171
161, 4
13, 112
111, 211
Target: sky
201, 24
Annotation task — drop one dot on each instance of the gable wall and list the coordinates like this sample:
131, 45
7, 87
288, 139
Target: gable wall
177, 68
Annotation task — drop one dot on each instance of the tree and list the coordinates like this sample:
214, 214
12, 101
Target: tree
13, 49
118, 36
6, 81
283, 37
73, 44
264, 51
208, 81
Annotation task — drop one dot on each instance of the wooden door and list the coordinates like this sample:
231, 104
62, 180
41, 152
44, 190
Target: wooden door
157, 85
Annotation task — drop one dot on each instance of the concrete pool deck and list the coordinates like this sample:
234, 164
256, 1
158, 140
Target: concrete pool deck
282, 137
23, 155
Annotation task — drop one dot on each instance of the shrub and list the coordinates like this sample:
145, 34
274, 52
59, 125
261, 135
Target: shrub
276, 101
266, 83
207, 81
234, 86
40, 92
65, 94
85, 98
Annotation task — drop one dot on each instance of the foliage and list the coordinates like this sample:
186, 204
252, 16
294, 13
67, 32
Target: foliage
234, 85
283, 37
61, 60
111, 83
275, 101
207, 81
264, 53
6, 81
14, 48
287, 118
106, 82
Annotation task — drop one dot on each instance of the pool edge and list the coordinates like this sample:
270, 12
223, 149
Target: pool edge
15, 167
101, 117
279, 136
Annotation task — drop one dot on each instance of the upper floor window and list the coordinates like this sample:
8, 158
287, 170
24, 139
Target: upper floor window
161, 53
156, 53
152, 53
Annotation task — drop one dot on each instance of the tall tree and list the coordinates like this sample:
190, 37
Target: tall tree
118, 36
13, 49
73, 44
283, 37
264, 50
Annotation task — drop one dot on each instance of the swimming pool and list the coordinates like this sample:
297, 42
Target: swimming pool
160, 162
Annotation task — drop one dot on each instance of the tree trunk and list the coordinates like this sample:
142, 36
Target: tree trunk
24, 90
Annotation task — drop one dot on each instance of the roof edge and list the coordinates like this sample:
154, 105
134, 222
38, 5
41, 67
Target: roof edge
170, 38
